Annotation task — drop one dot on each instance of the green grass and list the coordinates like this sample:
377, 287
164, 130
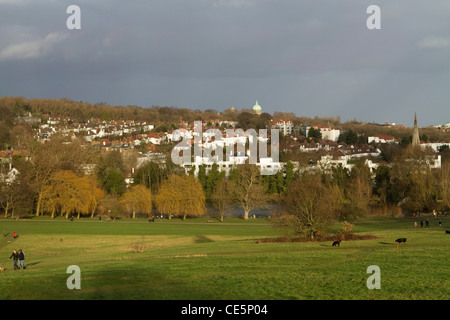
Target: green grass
198, 259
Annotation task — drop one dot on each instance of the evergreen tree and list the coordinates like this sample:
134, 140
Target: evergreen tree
290, 175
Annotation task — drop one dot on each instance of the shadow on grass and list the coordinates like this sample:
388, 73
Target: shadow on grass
33, 263
326, 245
131, 282
203, 239
325, 238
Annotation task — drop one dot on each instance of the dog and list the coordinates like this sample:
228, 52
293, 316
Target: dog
336, 243
447, 232
399, 241
2, 269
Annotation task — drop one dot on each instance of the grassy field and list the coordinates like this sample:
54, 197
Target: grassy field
205, 260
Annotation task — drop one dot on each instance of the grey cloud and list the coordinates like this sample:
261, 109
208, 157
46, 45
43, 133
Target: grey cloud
435, 42
309, 57
32, 49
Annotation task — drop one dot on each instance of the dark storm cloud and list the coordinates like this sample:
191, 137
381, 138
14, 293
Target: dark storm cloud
308, 57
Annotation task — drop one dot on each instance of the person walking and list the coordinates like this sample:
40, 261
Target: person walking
21, 255
15, 256
421, 223
427, 223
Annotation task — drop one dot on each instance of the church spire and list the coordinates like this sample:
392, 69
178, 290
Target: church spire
415, 137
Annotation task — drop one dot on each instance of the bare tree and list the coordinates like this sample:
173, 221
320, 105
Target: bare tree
10, 197
308, 208
221, 197
246, 188
443, 185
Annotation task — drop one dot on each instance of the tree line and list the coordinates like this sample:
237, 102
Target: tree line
66, 177
54, 179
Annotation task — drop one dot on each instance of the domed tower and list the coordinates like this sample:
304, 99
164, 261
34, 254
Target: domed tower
257, 108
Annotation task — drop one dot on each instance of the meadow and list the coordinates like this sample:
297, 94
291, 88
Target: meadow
202, 259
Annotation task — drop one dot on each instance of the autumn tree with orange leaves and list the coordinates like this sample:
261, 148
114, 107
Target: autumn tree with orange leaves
67, 193
137, 199
181, 196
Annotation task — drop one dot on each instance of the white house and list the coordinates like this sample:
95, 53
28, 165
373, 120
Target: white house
381, 139
435, 146
330, 134
285, 126
327, 132
10, 176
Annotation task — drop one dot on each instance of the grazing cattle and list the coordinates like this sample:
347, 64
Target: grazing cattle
336, 243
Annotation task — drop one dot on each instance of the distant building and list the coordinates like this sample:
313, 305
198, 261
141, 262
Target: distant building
29, 119
435, 145
266, 165
326, 163
327, 132
330, 134
381, 139
285, 126
257, 108
9, 177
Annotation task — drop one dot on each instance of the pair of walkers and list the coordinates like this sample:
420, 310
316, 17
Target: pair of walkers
19, 259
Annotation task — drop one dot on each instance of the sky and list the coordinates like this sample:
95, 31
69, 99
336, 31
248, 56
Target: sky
309, 57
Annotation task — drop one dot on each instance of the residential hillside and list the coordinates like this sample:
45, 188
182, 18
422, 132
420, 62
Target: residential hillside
16, 110
48, 148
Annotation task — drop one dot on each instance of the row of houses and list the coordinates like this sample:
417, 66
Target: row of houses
132, 134
92, 131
